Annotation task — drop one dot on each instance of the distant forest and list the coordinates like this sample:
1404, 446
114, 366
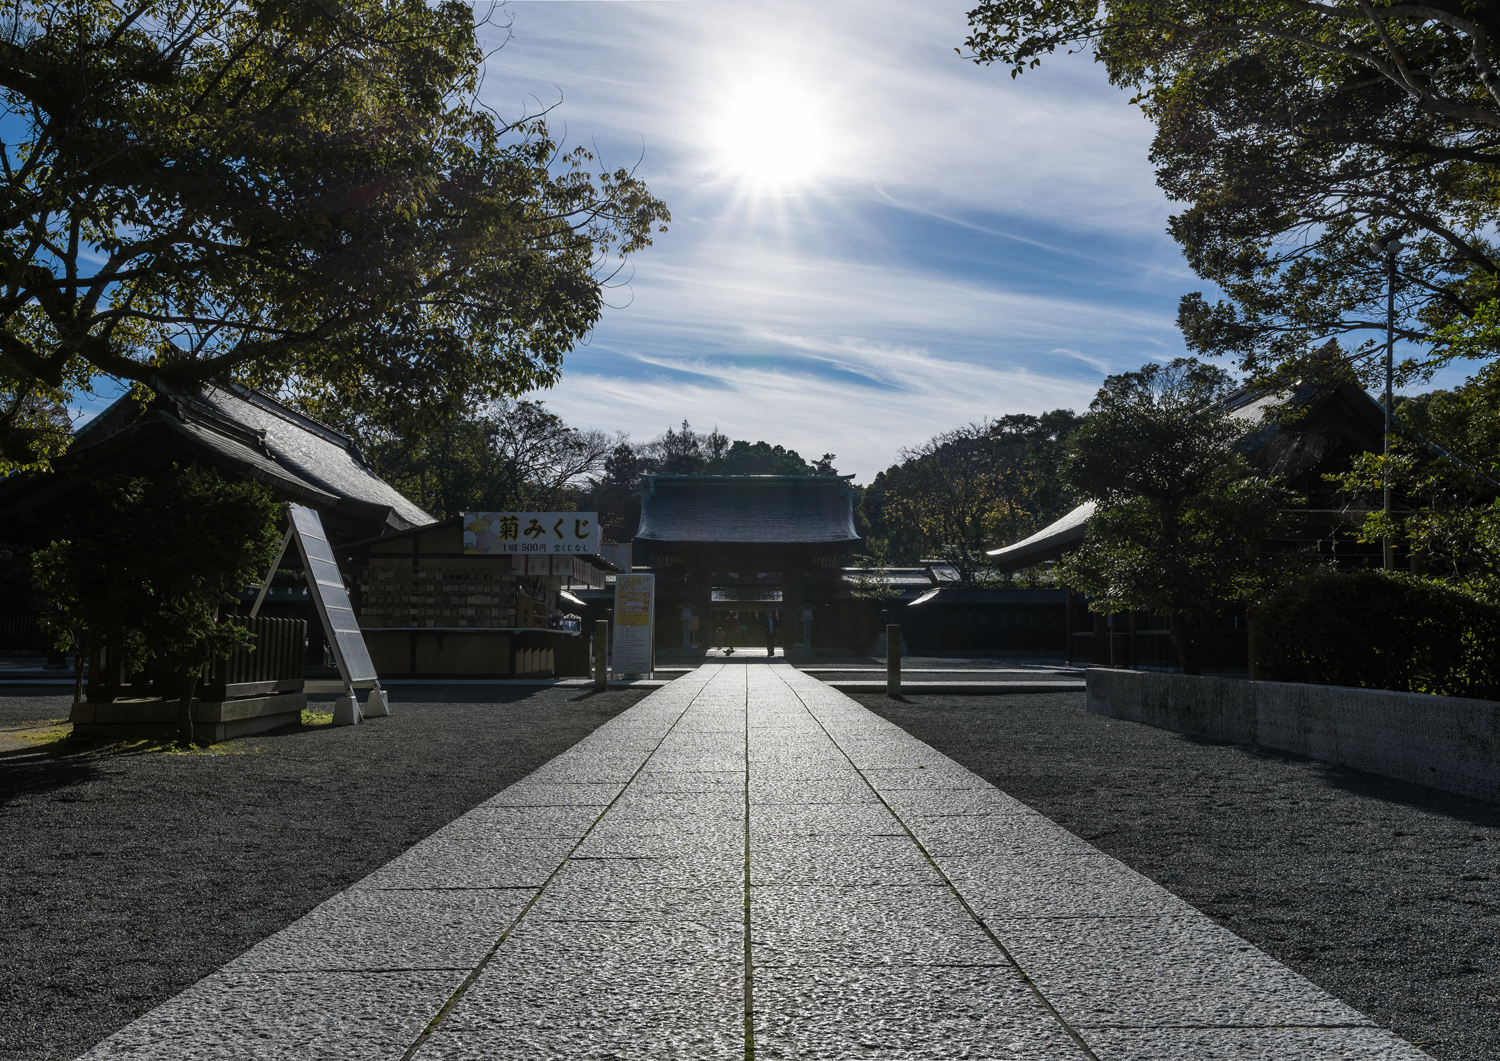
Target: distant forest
973, 488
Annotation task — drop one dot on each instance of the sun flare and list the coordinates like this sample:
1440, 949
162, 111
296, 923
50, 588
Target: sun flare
770, 133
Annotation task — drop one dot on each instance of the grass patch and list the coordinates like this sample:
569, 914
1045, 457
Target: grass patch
45, 731
224, 747
54, 737
316, 718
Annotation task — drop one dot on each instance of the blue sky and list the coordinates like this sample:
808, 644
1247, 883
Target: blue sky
873, 240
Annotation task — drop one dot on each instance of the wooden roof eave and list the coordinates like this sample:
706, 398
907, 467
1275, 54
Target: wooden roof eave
1051, 542
127, 447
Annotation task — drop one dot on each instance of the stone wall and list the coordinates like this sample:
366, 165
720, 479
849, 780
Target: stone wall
1445, 742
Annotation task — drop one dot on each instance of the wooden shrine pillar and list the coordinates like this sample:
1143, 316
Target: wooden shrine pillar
702, 595
790, 634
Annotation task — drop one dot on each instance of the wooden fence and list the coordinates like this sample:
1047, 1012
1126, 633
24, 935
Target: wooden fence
20, 628
274, 666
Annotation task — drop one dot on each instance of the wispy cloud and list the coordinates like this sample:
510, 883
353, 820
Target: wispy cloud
869, 428
1093, 362
966, 245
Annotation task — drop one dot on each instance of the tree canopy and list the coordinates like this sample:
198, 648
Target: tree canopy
507, 454
1444, 469
965, 491
1179, 514
762, 458
683, 451
1295, 132
616, 494
302, 196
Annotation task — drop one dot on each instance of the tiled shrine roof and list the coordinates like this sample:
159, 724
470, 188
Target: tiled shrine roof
747, 509
243, 433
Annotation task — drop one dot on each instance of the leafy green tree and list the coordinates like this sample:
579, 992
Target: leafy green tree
1380, 630
1029, 452
1444, 472
307, 197
507, 455
616, 494
34, 425
958, 494
1179, 514
892, 537
687, 452
1294, 133
684, 452
762, 458
952, 493
150, 569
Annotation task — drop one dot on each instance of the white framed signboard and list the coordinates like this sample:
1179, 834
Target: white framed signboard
531, 533
326, 586
635, 622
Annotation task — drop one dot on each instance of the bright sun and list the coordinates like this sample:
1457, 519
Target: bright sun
769, 134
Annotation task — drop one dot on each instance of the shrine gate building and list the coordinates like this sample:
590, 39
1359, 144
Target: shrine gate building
747, 548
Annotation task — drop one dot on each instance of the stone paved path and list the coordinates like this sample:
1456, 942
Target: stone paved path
748, 863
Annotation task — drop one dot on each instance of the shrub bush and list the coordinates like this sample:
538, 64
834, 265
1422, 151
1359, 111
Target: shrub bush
1377, 630
151, 566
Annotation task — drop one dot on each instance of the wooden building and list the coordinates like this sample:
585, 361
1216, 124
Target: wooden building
426, 608
941, 616
737, 552
1299, 439
242, 433
962, 620
244, 436
750, 549
429, 609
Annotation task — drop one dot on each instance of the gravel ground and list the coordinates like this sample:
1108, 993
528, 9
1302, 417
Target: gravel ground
1382, 893
127, 876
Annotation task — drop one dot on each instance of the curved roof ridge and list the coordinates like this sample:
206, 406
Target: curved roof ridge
1046, 544
747, 509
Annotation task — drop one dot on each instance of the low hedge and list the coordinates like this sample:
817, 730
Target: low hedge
1377, 630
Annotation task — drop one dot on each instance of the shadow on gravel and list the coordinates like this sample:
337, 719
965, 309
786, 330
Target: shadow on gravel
53, 760
1426, 800
129, 873
483, 694
1364, 785
40, 778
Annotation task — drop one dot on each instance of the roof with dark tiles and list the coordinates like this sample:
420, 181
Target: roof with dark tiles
242, 432
315, 453
747, 509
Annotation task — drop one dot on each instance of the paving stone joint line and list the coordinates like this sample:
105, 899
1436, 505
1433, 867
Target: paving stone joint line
479, 969
749, 864
1073, 1034
749, 954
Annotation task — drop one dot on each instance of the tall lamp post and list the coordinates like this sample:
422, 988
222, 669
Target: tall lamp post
1388, 248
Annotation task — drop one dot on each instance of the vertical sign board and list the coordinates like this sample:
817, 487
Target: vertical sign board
332, 599
531, 533
635, 622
